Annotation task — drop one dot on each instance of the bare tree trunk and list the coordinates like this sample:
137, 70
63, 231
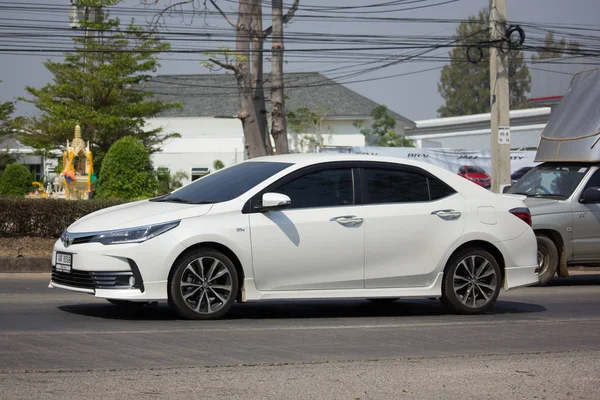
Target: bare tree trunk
255, 144
258, 95
278, 127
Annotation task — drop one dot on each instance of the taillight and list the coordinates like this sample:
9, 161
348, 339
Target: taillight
523, 214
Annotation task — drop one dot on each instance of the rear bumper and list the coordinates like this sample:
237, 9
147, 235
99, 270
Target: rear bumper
520, 276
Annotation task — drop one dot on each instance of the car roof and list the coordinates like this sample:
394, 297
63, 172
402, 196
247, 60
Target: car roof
316, 158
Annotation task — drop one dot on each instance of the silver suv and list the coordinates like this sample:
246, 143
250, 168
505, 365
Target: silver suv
564, 200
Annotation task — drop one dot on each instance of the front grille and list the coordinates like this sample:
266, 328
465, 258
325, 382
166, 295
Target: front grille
92, 280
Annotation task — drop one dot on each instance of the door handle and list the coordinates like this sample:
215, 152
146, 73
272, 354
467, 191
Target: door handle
347, 220
447, 215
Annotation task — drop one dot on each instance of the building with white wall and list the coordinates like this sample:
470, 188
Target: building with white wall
210, 130
472, 132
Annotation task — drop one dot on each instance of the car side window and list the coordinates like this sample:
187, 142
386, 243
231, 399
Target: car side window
325, 188
594, 180
395, 186
438, 189
461, 170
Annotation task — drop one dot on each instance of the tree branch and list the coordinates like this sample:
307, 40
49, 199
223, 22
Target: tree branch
161, 14
223, 65
286, 18
222, 14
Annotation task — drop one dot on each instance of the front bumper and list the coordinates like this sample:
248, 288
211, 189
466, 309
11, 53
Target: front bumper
136, 272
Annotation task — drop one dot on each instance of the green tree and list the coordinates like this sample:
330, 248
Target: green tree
16, 180
555, 49
6, 110
465, 86
218, 164
97, 86
310, 123
127, 172
382, 131
167, 182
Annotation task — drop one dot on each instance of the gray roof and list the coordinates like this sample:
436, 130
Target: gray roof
209, 95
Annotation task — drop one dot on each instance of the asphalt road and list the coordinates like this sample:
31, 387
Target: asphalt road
537, 342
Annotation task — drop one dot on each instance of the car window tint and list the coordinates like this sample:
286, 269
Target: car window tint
438, 189
594, 180
395, 186
325, 188
226, 184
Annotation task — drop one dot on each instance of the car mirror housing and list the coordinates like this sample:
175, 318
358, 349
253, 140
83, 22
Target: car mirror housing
506, 188
591, 195
274, 201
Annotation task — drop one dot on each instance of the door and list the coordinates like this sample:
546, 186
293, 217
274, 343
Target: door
317, 243
411, 220
586, 226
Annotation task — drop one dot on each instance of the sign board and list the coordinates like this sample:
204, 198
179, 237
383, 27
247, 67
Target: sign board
504, 134
451, 160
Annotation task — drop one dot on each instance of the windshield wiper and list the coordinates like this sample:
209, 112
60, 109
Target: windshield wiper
178, 200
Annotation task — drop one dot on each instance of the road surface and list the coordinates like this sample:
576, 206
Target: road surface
539, 342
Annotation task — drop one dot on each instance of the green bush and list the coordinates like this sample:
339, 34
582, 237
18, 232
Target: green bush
127, 172
15, 181
22, 216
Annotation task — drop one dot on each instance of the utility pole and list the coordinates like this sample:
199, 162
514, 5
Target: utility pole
500, 123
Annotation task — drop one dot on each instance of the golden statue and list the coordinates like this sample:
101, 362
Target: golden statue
77, 168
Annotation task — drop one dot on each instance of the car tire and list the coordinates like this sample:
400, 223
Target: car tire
127, 304
547, 259
471, 282
203, 285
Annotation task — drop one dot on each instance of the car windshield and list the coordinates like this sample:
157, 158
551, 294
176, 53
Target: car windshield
226, 184
475, 170
550, 180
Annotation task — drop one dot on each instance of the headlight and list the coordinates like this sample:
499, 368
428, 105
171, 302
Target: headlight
133, 235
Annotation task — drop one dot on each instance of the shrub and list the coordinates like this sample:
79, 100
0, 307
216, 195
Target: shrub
21, 216
127, 172
15, 181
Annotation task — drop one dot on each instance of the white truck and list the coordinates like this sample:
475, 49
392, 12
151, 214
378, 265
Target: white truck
563, 193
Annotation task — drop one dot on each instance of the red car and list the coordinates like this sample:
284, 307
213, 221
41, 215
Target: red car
476, 175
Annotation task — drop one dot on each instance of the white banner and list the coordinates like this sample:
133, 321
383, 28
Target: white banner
451, 160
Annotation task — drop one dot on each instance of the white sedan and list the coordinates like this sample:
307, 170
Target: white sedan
304, 227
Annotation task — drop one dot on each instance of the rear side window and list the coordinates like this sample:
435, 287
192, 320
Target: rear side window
325, 188
438, 189
402, 186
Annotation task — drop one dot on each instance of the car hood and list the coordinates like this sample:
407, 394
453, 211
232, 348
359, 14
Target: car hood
137, 214
541, 206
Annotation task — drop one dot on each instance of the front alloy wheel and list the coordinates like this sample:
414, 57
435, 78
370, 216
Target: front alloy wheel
472, 282
203, 286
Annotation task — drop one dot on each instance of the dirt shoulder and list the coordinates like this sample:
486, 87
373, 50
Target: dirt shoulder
26, 247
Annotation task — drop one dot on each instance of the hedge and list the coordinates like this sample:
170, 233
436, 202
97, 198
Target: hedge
21, 216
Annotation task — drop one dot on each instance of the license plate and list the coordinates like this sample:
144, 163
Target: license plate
64, 262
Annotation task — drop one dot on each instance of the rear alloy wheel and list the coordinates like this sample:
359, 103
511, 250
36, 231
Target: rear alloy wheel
547, 259
471, 283
204, 285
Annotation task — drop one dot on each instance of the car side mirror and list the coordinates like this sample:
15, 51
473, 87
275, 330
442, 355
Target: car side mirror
505, 188
274, 201
591, 195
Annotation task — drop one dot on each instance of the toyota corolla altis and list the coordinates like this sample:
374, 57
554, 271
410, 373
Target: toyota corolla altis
304, 227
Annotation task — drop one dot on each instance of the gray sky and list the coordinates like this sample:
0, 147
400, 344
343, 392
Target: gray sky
414, 96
